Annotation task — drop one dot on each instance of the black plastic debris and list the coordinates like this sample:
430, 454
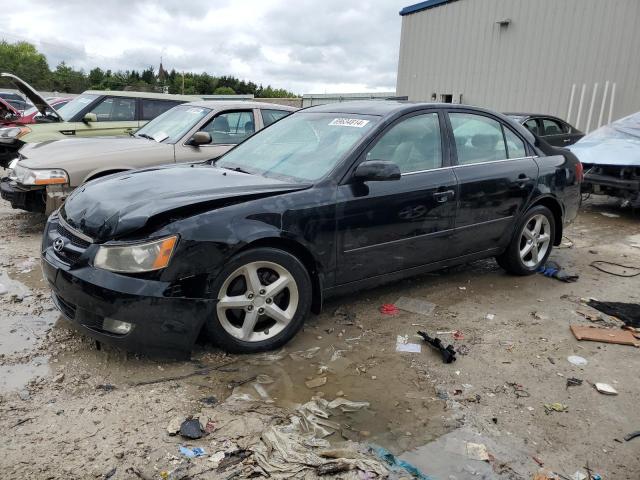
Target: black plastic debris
107, 387
553, 270
209, 400
448, 353
632, 435
574, 382
191, 428
629, 313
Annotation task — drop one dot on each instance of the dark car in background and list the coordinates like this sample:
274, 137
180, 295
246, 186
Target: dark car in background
551, 129
328, 200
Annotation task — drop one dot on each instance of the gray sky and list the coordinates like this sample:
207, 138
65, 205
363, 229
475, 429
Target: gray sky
301, 45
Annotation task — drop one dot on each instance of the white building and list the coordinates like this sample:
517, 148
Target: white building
577, 59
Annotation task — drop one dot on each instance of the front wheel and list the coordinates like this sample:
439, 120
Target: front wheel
264, 296
532, 243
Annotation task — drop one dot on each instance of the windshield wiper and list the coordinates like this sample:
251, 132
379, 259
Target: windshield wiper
237, 169
144, 135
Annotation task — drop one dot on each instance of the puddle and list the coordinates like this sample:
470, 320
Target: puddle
20, 332
15, 377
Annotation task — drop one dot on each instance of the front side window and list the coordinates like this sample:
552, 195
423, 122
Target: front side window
271, 116
551, 127
413, 144
478, 138
75, 106
115, 109
173, 124
230, 128
304, 146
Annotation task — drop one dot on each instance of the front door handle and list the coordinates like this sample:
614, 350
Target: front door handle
523, 178
442, 197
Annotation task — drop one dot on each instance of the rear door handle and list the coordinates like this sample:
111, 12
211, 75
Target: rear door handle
522, 178
442, 197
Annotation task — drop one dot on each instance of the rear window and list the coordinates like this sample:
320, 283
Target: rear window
270, 116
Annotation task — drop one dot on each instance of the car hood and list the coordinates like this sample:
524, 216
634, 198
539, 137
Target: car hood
8, 114
121, 204
67, 152
615, 144
28, 91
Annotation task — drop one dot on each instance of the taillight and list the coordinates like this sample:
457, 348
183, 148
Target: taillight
579, 171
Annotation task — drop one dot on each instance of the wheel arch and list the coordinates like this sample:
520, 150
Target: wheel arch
103, 173
555, 207
301, 253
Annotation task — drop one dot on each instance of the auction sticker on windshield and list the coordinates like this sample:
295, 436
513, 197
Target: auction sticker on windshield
195, 110
349, 122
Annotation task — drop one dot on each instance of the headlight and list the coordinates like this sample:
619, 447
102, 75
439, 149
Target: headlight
26, 176
135, 258
13, 132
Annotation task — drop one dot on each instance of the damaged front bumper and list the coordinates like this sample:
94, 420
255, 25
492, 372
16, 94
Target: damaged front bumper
94, 300
42, 199
613, 180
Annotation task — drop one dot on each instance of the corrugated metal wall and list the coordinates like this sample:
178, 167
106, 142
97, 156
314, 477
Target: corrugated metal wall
531, 64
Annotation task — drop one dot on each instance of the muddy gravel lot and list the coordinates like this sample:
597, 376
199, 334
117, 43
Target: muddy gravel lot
71, 410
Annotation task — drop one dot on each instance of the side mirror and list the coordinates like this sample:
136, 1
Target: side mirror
377, 171
90, 117
200, 138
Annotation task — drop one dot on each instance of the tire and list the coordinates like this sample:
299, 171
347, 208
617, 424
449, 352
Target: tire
526, 239
246, 321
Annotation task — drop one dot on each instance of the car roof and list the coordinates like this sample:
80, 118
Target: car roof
154, 95
386, 108
230, 104
528, 115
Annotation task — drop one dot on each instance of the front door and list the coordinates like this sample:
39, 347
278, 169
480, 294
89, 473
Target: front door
115, 116
227, 129
496, 175
393, 225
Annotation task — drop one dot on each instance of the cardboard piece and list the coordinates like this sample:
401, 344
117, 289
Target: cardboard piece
605, 335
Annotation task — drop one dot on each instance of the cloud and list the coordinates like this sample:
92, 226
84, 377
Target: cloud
304, 46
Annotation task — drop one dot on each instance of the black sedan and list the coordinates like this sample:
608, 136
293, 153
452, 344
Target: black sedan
329, 200
552, 130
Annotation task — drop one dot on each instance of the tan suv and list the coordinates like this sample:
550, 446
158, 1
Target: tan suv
45, 173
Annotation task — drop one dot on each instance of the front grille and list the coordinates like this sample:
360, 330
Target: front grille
68, 309
68, 256
72, 237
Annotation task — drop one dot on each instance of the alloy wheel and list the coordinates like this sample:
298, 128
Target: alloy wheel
257, 301
535, 240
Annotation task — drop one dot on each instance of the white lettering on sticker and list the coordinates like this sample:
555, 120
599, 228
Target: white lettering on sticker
349, 122
194, 110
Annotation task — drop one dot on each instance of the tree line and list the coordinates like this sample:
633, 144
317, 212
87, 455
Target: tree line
24, 60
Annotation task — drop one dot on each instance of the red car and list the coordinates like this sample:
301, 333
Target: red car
10, 116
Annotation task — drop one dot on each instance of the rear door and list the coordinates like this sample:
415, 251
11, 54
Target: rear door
115, 116
394, 225
496, 175
227, 129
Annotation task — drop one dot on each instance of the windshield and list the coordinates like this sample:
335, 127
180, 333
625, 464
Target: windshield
303, 146
74, 106
173, 124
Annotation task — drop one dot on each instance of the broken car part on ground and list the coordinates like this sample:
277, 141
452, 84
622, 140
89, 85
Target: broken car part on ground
246, 246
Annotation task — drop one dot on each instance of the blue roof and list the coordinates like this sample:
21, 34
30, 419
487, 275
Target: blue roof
418, 7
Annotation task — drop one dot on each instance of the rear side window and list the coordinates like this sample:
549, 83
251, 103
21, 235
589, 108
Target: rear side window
152, 108
270, 116
413, 144
532, 126
231, 128
515, 146
478, 138
116, 109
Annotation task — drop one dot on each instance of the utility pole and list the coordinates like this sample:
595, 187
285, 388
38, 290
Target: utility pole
183, 82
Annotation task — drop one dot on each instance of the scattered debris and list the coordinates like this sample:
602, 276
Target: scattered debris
458, 335
463, 349
555, 407
105, 387
397, 465
578, 476
389, 309
635, 271
606, 389
191, 428
58, 378
316, 382
629, 313
631, 436
264, 379
448, 353
610, 215
217, 457
347, 405
490, 316
209, 400
553, 270
192, 452
174, 425
605, 335
110, 473
305, 354
577, 360
574, 382
415, 305
538, 461
344, 316
403, 345
477, 451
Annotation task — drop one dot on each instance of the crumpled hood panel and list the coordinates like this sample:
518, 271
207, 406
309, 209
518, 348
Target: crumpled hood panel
112, 207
